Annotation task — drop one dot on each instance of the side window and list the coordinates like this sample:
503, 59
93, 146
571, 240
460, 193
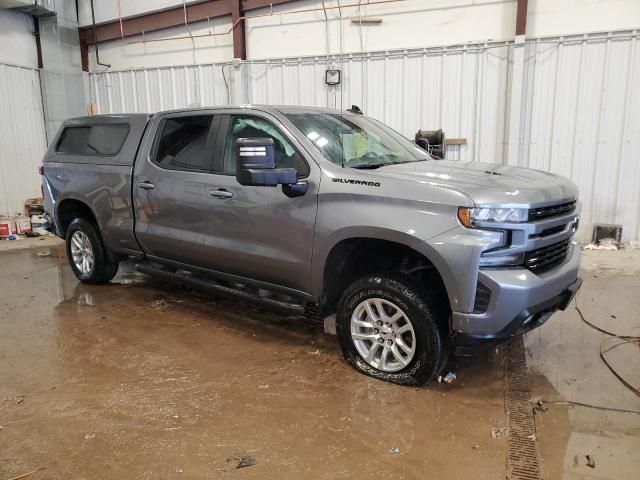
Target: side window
183, 144
107, 139
93, 140
254, 127
73, 140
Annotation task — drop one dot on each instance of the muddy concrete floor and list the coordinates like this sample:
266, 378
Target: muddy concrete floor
140, 379
564, 364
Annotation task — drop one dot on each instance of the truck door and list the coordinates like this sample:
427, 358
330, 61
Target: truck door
260, 232
170, 188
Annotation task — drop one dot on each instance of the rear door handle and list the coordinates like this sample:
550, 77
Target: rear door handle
146, 185
220, 193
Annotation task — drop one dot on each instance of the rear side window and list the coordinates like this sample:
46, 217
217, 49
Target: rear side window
93, 140
183, 144
73, 140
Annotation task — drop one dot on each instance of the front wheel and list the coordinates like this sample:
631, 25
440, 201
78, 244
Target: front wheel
389, 328
87, 256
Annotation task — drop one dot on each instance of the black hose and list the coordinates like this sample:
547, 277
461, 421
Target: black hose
626, 339
95, 38
226, 84
606, 362
569, 403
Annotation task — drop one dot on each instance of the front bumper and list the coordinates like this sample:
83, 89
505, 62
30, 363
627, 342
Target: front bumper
520, 301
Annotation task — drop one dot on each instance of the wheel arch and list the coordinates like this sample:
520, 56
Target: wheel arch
68, 210
355, 252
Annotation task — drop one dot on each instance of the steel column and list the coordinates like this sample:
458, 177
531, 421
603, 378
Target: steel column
239, 36
517, 78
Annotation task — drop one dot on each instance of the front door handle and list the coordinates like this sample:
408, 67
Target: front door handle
146, 185
220, 193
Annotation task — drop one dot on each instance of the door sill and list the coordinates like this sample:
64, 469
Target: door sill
231, 278
203, 283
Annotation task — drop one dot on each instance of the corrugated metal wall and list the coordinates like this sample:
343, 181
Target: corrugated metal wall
22, 136
459, 89
580, 118
155, 89
462, 89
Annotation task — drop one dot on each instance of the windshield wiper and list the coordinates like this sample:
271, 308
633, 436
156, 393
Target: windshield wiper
413, 161
367, 166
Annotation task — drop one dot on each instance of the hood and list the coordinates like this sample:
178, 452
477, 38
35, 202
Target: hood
486, 183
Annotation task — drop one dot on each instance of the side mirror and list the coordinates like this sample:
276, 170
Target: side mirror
256, 164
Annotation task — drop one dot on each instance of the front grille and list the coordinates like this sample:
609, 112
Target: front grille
548, 231
548, 257
551, 211
483, 296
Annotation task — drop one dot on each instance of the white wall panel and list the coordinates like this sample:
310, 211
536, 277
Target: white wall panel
22, 137
155, 89
405, 24
18, 42
461, 90
300, 28
107, 10
580, 119
132, 53
570, 17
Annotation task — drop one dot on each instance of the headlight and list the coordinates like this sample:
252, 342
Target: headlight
469, 216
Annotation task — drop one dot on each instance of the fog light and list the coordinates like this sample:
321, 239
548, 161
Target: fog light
502, 260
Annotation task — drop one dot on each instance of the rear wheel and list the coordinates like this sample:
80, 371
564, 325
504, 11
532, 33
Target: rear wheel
86, 253
390, 328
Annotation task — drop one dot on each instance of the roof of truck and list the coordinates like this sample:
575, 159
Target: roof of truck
287, 109
109, 118
284, 109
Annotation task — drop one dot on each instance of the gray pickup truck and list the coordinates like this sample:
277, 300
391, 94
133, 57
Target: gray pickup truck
318, 212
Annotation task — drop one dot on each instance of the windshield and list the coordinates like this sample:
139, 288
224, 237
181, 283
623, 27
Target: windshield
355, 141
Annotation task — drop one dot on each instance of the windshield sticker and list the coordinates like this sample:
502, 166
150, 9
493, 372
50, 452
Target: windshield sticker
356, 182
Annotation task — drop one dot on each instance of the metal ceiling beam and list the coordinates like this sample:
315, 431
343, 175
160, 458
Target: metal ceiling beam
157, 20
174, 17
521, 17
517, 93
171, 17
248, 5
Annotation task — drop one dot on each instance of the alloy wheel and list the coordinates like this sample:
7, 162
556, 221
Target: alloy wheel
82, 252
383, 335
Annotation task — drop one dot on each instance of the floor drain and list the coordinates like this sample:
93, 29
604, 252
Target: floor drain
523, 461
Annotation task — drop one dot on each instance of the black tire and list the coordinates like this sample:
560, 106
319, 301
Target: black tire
103, 268
426, 317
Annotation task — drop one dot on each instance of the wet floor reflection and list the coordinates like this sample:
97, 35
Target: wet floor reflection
565, 364
142, 379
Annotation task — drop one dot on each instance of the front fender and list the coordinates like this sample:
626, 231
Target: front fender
323, 249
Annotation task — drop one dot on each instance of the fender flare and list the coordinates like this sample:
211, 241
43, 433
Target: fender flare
321, 254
